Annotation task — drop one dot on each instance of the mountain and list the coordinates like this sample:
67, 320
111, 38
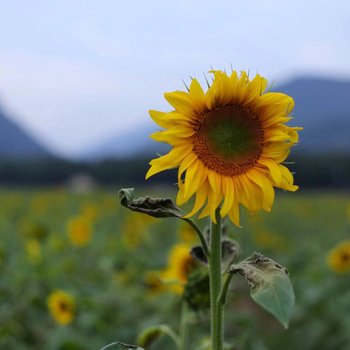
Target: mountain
322, 107
134, 143
15, 143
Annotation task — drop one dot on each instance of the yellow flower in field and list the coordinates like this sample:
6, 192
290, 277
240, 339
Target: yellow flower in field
228, 142
153, 282
79, 231
61, 306
134, 229
90, 211
180, 265
187, 234
33, 249
270, 240
339, 258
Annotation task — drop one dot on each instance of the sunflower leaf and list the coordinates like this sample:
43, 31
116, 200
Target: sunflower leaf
121, 346
270, 285
156, 207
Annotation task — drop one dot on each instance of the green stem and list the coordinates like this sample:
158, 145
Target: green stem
201, 237
184, 329
216, 308
222, 298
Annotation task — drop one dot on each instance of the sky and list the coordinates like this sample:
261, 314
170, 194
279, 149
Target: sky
78, 73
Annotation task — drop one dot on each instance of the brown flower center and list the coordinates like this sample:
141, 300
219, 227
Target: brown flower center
63, 306
186, 268
345, 257
229, 140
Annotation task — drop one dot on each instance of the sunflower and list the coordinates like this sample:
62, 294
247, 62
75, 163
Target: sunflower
339, 258
79, 231
228, 143
61, 306
180, 266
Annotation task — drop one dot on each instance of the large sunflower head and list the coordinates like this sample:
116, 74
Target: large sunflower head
228, 143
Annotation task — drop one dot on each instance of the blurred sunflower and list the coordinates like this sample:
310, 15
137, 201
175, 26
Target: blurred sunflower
187, 234
79, 231
339, 257
61, 306
134, 229
270, 240
180, 265
33, 249
153, 282
228, 142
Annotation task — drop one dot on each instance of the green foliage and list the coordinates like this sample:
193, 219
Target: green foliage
270, 285
108, 276
121, 346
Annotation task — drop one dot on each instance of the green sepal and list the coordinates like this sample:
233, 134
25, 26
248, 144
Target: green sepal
270, 285
156, 207
121, 346
147, 337
230, 251
198, 254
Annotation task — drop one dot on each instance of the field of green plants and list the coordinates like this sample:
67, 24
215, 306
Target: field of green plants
78, 271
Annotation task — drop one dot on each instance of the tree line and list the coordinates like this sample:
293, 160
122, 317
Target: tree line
310, 170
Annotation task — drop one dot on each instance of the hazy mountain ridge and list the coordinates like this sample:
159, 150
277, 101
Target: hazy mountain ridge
15, 143
322, 107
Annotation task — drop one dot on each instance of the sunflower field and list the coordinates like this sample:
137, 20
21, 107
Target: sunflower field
78, 271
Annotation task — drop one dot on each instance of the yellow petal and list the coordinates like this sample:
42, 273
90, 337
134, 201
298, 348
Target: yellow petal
258, 85
224, 89
263, 182
188, 160
228, 192
233, 214
278, 151
170, 160
181, 101
158, 117
197, 95
201, 198
179, 131
276, 134
241, 88
273, 168
214, 200
277, 99
249, 193
214, 181
287, 179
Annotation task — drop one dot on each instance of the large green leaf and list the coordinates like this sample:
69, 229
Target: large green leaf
157, 207
121, 346
270, 285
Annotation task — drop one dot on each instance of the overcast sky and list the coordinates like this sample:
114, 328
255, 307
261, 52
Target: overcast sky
77, 72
